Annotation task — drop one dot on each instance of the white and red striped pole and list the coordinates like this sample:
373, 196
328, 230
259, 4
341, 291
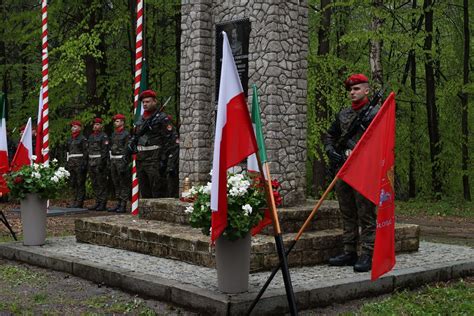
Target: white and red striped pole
136, 92
44, 71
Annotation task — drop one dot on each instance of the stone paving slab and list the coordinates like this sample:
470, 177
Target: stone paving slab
195, 287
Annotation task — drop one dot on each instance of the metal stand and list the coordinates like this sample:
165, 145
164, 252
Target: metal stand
4, 220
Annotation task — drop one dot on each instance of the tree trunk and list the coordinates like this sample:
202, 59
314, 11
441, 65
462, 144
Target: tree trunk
411, 161
91, 69
432, 111
375, 48
465, 113
319, 163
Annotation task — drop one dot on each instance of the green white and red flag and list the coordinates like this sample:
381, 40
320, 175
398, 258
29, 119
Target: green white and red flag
3, 147
370, 171
24, 152
252, 163
234, 137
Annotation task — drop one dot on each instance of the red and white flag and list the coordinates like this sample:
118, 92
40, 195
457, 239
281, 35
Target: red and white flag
39, 130
370, 171
234, 137
3, 149
24, 151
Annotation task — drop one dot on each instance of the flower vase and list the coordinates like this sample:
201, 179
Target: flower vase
233, 264
33, 220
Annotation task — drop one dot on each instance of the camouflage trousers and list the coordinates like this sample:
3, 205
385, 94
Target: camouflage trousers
121, 178
98, 178
357, 212
77, 181
152, 179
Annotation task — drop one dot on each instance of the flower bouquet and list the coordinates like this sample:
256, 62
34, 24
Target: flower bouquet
48, 181
246, 204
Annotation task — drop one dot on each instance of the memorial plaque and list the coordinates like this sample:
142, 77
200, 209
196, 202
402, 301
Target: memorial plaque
238, 33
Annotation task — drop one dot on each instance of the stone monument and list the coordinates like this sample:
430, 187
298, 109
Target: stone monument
276, 64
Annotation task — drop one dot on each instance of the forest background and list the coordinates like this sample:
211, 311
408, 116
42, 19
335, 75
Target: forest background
419, 49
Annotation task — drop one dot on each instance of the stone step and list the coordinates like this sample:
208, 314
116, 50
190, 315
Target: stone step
291, 218
184, 243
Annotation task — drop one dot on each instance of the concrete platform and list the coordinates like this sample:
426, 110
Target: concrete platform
195, 287
182, 242
58, 211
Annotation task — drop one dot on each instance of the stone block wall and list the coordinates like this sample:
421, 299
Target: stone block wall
278, 51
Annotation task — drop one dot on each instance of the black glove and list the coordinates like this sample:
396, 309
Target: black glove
132, 145
334, 156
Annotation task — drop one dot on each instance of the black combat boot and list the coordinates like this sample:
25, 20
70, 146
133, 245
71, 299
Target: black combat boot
95, 207
72, 204
102, 206
115, 208
122, 208
345, 259
364, 264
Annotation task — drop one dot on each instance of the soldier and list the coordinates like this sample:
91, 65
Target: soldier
98, 145
356, 210
172, 167
119, 164
153, 132
76, 164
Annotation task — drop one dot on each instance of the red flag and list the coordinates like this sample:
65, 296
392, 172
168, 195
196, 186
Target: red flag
370, 171
234, 137
24, 151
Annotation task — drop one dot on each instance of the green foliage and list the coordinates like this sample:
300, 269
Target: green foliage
454, 299
349, 37
245, 203
420, 207
91, 60
48, 181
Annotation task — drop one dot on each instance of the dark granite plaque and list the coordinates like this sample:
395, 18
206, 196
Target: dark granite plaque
238, 33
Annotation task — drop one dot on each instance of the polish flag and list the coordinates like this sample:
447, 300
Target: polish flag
234, 137
24, 151
3, 149
39, 130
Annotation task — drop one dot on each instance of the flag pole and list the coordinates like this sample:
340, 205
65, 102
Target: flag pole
136, 93
297, 237
278, 239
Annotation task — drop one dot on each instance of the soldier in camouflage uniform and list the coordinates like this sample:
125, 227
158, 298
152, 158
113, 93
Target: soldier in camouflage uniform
172, 166
154, 129
98, 146
357, 211
76, 164
119, 164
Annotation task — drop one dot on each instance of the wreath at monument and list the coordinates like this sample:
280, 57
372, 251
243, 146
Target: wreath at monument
246, 204
48, 181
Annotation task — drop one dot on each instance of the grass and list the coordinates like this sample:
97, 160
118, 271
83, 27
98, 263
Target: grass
436, 208
456, 298
17, 275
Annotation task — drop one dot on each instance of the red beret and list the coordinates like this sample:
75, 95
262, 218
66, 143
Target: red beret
77, 123
119, 117
147, 94
355, 79
22, 128
98, 120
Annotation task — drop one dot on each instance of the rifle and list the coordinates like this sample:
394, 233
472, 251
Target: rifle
133, 143
362, 121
